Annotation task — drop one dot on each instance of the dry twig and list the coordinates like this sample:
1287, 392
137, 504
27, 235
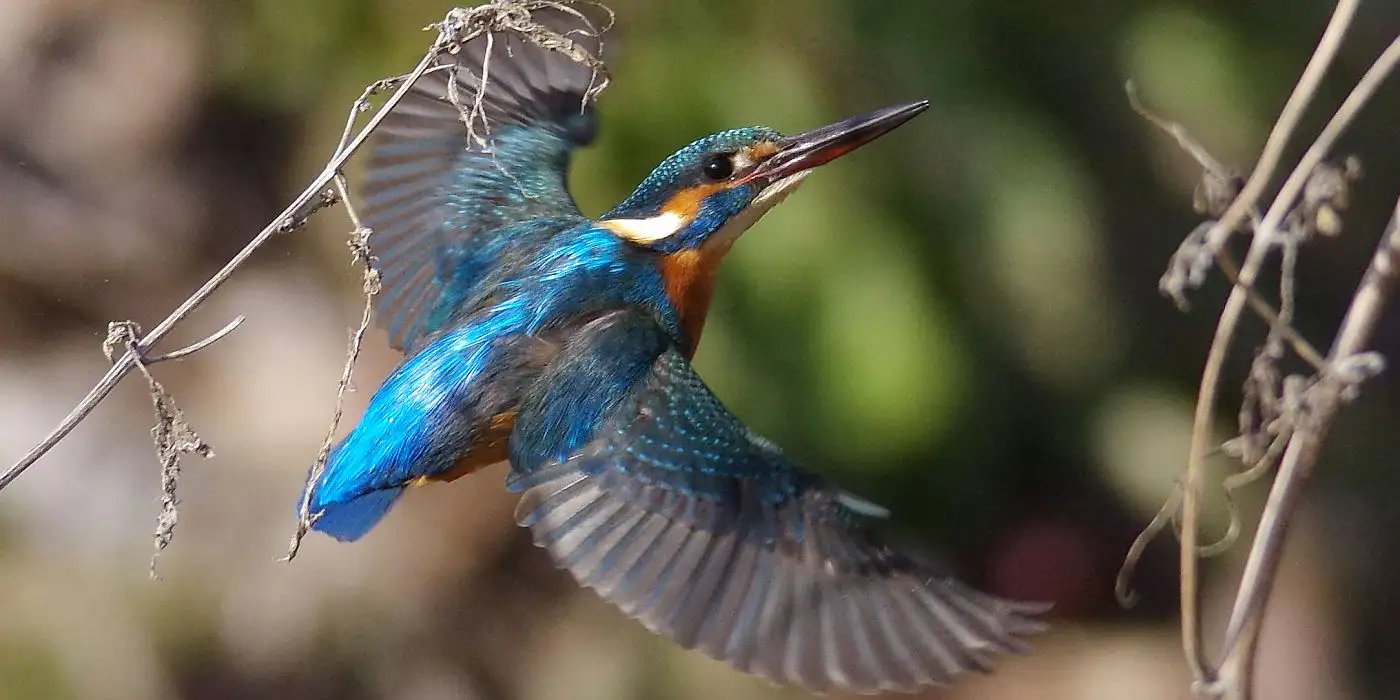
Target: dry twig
360, 255
1210, 377
460, 26
1283, 419
173, 436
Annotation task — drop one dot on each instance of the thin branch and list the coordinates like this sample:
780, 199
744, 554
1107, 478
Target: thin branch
1123, 584
1234, 483
1174, 129
1355, 101
191, 349
1323, 400
310, 199
172, 434
1191, 635
360, 254
459, 26
1278, 322
1292, 112
1196, 255
1297, 420
1359, 96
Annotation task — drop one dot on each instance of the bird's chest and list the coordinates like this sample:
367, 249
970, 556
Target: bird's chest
690, 284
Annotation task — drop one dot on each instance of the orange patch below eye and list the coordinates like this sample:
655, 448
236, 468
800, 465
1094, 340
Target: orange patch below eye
686, 203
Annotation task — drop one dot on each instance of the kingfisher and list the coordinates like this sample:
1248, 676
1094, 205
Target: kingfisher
562, 344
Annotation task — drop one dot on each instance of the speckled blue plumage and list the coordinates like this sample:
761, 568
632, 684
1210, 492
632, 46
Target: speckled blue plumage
534, 333
621, 392
499, 325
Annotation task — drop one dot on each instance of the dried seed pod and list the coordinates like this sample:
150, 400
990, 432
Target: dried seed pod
1327, 195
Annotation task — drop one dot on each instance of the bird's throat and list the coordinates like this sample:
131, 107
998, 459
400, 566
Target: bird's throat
690, 272
690, 283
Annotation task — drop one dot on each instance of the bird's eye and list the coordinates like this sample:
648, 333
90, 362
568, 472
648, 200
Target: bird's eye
718, 166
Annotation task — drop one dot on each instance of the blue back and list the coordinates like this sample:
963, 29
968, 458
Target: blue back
502, 325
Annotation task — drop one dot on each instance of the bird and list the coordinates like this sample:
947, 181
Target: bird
562, 344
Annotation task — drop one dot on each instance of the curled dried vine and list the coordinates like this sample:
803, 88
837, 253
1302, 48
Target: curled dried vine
1283, 417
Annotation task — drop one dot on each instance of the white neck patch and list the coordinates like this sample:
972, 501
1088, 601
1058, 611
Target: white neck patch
669, 223
648, 230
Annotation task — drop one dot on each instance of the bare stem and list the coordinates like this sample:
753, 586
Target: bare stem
459, 26
1323, 401
313, 197
1201, 440
1346, 339
1361, 94
193, 348
359, 246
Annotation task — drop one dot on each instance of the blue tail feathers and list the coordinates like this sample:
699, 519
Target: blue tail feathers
418, 423
350, 520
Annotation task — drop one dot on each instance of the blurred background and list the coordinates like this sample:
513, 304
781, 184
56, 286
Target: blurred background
960, 322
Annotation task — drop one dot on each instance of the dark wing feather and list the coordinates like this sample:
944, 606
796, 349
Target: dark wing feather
674, 511
433, 199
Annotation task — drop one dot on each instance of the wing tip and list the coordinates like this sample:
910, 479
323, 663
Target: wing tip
905, 634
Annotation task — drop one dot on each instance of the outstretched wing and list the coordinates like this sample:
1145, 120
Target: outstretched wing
434, 197
640, 483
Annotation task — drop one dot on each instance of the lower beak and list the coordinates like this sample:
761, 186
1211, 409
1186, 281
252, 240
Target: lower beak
820, 146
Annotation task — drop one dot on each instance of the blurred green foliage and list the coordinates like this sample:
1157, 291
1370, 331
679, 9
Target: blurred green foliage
940, 317
961, 321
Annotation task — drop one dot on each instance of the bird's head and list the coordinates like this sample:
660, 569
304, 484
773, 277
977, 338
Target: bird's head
706, 194
695, 204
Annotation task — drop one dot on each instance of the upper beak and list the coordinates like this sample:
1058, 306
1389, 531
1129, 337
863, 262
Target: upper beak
819, 146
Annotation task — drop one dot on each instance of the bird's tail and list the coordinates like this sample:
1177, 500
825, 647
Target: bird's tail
420, 421
350, 520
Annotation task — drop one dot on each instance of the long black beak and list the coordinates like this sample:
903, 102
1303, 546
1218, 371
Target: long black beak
820, 146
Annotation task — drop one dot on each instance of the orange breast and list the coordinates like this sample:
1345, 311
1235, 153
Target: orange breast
690, 283
490, 448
